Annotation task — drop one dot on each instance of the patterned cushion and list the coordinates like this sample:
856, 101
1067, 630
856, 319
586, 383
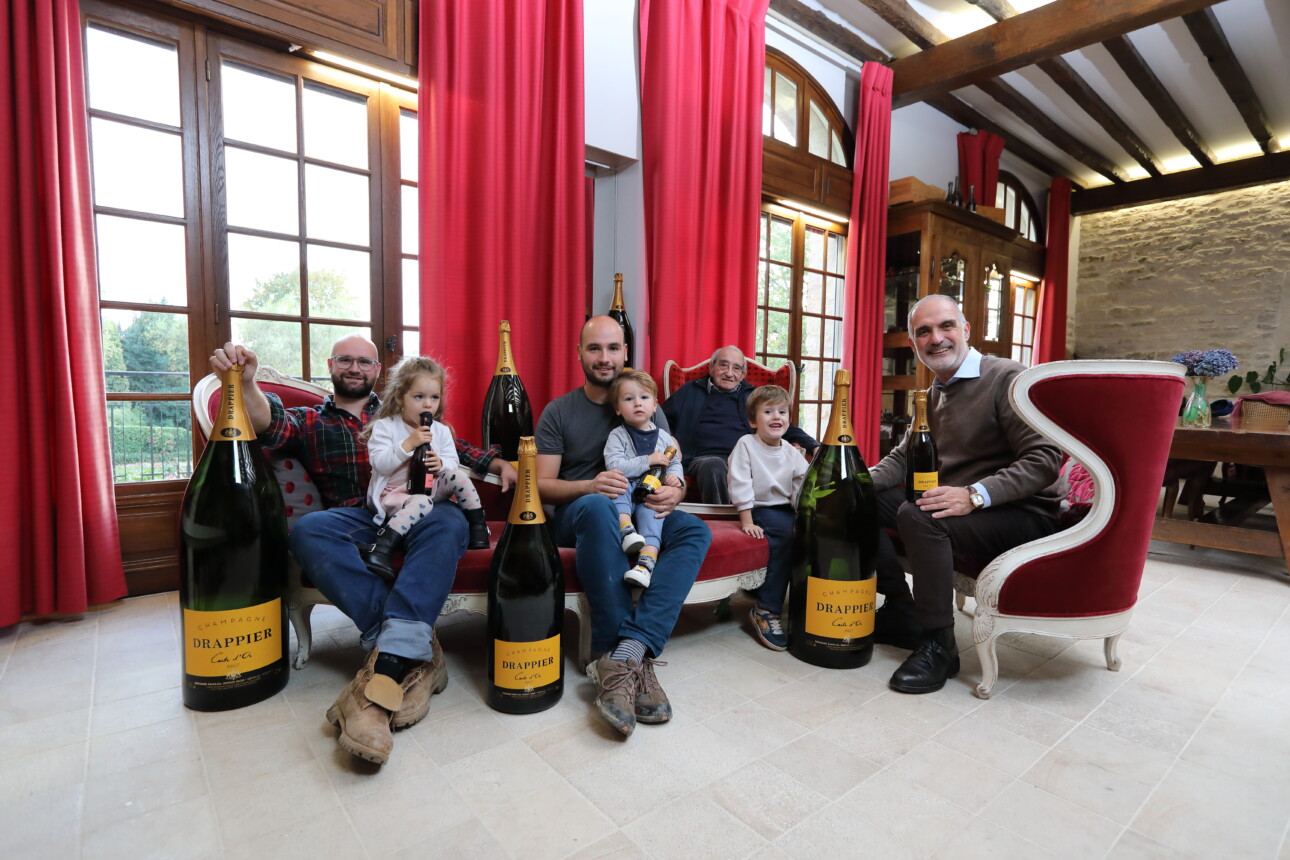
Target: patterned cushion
298, 491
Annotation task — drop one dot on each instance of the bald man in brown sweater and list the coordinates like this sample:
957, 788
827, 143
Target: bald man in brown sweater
1000, 487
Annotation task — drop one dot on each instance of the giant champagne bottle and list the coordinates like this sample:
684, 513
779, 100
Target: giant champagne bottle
921, 470
232, 567
619, 313
832, 588
525, 604
507, 413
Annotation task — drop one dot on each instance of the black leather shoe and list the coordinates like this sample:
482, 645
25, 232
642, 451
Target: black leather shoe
934, 662
379, 557
894, 624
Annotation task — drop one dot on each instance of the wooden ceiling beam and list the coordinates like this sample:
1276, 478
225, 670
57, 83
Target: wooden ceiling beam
1244, 173
1023, 40
1064, 140
828, 31
996, 9
1102, 113
1213, 43
966, 115
902, 17
1141, 76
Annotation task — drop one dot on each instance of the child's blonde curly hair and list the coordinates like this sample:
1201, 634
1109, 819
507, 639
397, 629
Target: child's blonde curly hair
401, 377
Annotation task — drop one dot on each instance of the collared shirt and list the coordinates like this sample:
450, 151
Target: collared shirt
969, 369
325, 438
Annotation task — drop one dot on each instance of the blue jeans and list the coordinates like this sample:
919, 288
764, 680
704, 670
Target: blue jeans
777, 522
646, 524
396, 618
590, 525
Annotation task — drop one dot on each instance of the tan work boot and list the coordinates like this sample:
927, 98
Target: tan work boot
616, 691
363, 713
651, 702
423, 681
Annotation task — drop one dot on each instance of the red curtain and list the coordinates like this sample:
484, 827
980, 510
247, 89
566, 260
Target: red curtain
866, 256
1050, 341
501, 205
61, 548
702, 67
589, 208
979, 165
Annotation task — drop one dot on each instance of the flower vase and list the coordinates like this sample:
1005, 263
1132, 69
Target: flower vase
1196, 409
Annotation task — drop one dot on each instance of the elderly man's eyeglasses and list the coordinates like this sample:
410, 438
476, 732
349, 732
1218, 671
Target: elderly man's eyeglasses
345, 362
729, 365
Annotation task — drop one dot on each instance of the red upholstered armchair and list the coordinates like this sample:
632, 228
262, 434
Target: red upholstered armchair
674, 376
1116, 418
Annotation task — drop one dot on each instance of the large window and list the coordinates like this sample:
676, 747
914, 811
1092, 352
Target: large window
806, 148
1019, 211
242, 194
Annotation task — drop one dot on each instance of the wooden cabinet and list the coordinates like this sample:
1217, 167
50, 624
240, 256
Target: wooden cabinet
933, 247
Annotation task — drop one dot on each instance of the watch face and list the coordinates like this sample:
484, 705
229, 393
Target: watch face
977, 499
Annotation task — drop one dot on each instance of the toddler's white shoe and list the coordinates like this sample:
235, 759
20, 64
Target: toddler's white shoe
638, 575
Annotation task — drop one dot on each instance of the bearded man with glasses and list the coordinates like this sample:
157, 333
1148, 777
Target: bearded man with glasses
405, 666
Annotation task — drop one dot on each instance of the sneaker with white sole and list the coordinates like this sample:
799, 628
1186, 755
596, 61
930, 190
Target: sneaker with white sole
639, 576
769, 630
632, 542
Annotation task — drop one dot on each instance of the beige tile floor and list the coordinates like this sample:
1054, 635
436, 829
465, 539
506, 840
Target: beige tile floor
1182, 753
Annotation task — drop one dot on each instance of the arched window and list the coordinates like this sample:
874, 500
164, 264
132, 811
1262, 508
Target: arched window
806, 194
1019, 210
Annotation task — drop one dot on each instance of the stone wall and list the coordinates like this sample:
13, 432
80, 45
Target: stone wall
1202, 273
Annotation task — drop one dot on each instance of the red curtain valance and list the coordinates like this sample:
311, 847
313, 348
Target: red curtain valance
979, 165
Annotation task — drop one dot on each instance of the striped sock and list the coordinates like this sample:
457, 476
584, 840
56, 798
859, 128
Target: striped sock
629, 651
647, 558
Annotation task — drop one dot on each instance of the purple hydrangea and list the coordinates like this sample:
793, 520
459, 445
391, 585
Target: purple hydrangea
1210, 362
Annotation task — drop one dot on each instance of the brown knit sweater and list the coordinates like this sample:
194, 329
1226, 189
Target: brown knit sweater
980, 438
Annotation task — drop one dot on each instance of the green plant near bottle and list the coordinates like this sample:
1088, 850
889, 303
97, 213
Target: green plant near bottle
1256, 381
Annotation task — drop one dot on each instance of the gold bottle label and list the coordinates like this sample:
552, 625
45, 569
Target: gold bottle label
652, 482
926, 481
837, 609
839, 431
505, 360
920, 412
231, 422
232, 642
618, 293
526, 665
526, 507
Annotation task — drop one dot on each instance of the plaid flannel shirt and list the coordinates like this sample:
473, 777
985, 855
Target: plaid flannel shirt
324, 438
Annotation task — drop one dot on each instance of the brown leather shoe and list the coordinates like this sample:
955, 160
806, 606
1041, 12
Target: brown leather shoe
423, 681
616, 691
651, 703
363, 713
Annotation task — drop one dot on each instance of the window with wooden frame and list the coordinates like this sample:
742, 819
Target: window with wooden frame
806, 149
1019, 210
240, 193
1025, 313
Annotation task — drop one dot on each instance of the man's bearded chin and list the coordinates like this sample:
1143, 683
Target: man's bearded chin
352, 387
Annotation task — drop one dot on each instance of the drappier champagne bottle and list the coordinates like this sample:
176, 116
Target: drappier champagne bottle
421, 482
525, 604
507, 412
232, 567
921, 469
653, 479
619, 314
832, 587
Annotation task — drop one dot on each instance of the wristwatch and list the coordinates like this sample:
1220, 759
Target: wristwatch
977, 500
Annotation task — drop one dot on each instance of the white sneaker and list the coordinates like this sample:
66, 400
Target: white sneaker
638, 575
632, 542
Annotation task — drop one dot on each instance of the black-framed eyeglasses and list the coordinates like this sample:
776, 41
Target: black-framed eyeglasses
345, 362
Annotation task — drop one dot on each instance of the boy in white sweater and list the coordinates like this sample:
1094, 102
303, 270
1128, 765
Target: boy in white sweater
764, 477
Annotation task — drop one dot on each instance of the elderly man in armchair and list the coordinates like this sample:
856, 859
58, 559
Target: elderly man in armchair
708, 415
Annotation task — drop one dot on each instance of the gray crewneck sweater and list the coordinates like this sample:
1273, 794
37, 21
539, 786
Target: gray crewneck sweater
980, 438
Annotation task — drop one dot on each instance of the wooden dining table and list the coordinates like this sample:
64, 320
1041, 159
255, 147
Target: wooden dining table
1251, 443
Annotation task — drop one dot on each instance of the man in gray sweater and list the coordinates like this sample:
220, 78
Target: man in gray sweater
1000, 486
